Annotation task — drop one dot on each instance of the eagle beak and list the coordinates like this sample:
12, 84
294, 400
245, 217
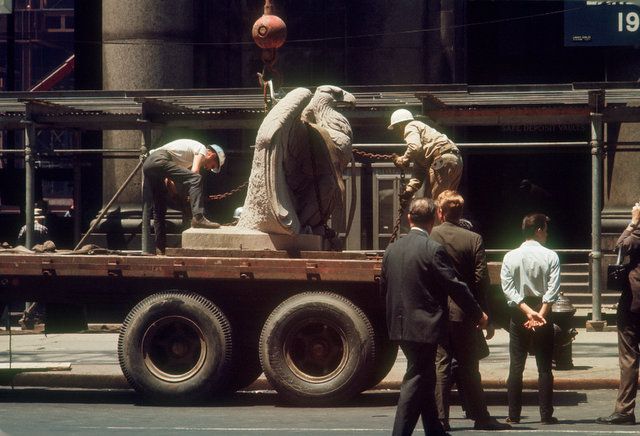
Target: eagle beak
348, 99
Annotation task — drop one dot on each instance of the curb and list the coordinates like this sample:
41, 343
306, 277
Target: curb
69, 380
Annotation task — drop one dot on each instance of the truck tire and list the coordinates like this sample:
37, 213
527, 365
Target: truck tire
386, 355
175, 347
245, 367
316, 348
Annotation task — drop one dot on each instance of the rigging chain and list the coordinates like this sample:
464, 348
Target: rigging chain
216, 197
396, 227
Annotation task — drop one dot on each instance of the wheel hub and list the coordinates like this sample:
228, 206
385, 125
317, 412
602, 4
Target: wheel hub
174, 348
316, 350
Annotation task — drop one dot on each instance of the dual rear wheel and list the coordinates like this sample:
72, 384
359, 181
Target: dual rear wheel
314, 348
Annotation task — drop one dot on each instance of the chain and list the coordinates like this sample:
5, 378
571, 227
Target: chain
396, 228
372, 155
216, 197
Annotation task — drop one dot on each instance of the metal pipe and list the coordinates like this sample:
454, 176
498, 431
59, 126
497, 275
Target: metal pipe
74, 151
95, 151
146, 245
596, 209
113, 199
29, 195
469, 145
77, 192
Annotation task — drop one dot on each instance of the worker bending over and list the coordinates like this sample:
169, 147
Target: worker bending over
180, 162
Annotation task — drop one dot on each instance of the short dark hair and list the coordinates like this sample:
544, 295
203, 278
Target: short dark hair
451, 204
533, 222
422, 211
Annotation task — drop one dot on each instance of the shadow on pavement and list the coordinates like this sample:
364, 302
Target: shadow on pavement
256, 398
530, 398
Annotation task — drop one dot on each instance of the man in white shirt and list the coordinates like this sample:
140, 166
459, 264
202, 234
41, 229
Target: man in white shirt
530, 277
179, 161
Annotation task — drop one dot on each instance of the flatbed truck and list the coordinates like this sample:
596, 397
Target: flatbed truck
207, 323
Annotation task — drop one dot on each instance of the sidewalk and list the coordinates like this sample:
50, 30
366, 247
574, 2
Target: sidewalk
94, 363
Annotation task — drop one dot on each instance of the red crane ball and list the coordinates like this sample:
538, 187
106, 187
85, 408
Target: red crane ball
269, 31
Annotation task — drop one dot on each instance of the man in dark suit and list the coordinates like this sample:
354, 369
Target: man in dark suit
416, 278
465, 343
628, 325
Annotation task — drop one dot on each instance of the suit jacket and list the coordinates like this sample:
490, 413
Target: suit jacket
466, 250
417, 276
629, 304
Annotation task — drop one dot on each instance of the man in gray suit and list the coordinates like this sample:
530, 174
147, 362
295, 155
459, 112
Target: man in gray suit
417, 277
465, 343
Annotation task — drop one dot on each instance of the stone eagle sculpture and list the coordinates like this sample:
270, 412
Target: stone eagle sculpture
302, 148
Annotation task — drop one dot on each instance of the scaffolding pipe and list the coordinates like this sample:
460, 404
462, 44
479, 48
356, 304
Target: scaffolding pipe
596, 209
145, 237
470, 145
105, 209
29, 195
77, 191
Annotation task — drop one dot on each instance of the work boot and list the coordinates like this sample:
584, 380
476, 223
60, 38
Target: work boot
200, 222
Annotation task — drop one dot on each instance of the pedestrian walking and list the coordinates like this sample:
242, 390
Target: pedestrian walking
464, 345
436, 159
628, 325
180, 162
530, 278
417, 276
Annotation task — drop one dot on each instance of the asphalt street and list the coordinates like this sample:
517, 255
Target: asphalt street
86, 412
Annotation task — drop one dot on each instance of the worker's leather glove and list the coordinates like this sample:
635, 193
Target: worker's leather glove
400, 161
405, 198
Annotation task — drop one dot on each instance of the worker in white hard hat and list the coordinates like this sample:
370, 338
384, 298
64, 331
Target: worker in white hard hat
180, 162
436, 159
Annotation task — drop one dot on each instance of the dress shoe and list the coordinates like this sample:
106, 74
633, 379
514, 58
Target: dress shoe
550, 420
513, 420
617, 418
491, 424
200, 222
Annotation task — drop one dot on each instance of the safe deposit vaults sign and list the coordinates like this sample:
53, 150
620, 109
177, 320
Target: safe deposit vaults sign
602, 23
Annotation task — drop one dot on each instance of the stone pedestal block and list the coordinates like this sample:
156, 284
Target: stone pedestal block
238, 238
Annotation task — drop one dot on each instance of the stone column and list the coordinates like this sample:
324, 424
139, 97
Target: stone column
146, 45
622, 180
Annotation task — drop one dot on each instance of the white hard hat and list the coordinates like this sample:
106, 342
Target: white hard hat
221, 156
237, 213
399, 116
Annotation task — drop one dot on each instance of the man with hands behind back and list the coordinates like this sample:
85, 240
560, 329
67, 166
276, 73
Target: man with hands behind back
530, 278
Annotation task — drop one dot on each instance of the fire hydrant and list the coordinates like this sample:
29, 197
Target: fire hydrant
564, 333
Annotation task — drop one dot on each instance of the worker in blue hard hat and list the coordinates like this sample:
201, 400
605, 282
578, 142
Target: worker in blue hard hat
437, 162
180, 162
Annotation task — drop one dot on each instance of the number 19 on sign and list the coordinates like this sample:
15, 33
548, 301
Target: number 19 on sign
628, 22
